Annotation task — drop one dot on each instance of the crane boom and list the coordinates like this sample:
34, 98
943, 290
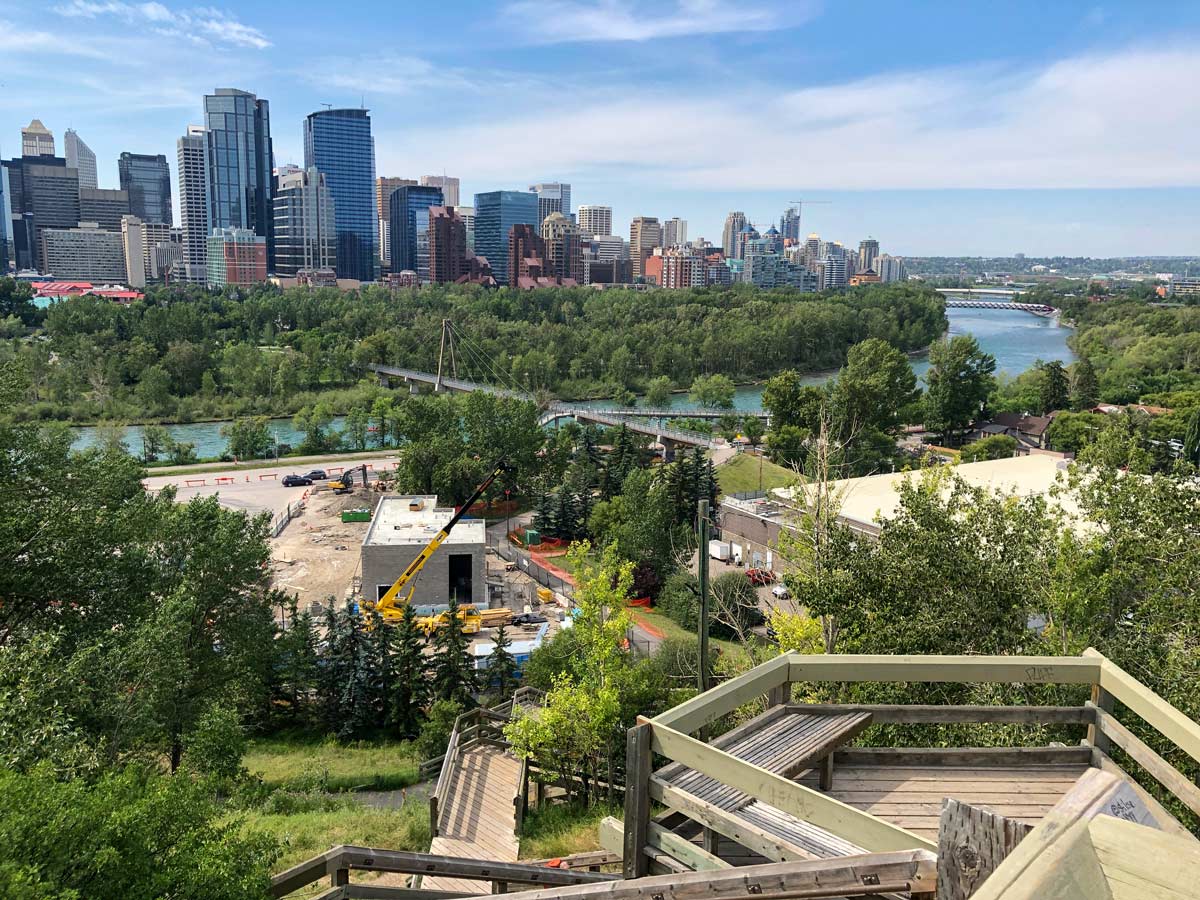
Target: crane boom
388, 603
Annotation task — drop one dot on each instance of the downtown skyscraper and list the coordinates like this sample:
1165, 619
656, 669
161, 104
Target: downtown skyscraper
338, 143
147, 180
81, 158
496, 212
240, 164
553, 196
192, 158
734, 223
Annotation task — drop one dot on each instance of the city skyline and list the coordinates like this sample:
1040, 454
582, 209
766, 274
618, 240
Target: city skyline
905, 128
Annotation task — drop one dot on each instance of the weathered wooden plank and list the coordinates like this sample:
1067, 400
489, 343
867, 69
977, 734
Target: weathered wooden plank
972, 842
637, 799
922, 714
788, 796
685, 851
851, 873
728, 824
693, 714
1165, 773
1157, 712
375, 860
962, 669
386, 892
964, 756
302, 874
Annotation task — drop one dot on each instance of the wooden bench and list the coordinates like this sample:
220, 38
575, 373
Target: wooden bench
786, 743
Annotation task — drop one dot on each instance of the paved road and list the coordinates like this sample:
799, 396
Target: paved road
250, 489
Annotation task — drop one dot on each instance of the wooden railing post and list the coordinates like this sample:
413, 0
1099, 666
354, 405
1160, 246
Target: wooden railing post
637, 800
1101, 699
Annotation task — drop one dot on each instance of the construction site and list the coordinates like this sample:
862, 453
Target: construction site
355, 544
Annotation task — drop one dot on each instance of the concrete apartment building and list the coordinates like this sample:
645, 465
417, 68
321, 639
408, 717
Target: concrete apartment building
85, 253
400, 529
595, 220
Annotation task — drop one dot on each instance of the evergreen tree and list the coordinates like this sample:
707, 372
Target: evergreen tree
298, 651
1053, 392
453, 668
329, 673
408, 692
502, 668
379, 655
545, 513
349, 683
1085, 388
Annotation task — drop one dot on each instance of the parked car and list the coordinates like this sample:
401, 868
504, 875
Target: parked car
296, 480
759, 577
780, 592
315, 475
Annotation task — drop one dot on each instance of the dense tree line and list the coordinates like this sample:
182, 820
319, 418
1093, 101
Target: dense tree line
184, 354
139, 639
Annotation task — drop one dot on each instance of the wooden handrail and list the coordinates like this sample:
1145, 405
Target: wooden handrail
1153, 709
850, 667
369, 859
1146, 757
934, 714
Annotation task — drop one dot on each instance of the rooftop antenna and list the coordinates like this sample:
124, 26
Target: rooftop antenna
327, 105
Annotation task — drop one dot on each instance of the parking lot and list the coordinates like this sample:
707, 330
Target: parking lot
257, 487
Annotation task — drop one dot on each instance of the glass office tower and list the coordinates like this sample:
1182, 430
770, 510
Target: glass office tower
240, 164
338, 143
147, 179
408, 211
496, 212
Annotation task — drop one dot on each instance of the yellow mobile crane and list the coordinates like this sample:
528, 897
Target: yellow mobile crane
391, 604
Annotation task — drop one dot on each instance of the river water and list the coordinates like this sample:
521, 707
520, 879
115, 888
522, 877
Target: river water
1016, 339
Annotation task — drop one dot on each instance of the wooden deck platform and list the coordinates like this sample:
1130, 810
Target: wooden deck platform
480, 818
911, 796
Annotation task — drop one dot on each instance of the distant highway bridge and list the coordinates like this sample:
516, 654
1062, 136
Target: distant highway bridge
642, 421
1038, 309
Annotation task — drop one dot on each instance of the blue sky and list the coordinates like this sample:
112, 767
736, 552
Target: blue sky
939, 128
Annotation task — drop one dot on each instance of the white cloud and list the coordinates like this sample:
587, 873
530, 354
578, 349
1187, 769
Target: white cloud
389, 74
200, 24
19, 39
563, 21
1124, 119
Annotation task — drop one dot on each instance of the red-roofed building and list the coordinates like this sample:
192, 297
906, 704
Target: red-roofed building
63, 290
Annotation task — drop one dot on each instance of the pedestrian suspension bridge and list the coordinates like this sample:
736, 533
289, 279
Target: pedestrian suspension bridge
648, 421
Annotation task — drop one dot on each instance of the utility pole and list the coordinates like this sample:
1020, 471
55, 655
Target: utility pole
702, 527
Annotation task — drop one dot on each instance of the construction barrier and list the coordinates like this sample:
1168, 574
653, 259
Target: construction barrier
225, 480
195, 482
266, 475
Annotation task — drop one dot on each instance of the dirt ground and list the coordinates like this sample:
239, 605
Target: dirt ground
317, 555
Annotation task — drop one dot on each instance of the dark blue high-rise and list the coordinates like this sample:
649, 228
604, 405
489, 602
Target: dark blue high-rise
339, 143
240, 163
408, 214
496, 212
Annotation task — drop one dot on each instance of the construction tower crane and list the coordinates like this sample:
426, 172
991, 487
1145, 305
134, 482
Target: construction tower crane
391, 605
799, 204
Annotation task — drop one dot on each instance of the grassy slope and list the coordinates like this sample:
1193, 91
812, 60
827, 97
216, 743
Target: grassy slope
562, 830
285, 760
741, 474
